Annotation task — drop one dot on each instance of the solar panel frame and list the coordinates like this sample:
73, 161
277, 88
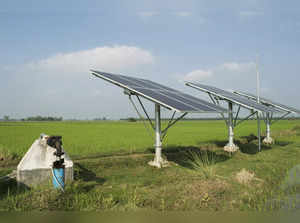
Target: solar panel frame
159, 94
268, 102
192, 99
229, 96
165, 99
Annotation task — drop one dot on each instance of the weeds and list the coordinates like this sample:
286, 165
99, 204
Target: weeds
6, 155
203, 161
296, 128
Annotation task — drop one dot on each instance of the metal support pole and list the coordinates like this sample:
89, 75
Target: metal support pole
157, 133
158, 160
268, 139
230, 125
230, 147
258, 101
268, 126
258, 131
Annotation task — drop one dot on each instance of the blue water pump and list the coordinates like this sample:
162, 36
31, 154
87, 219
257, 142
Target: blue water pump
58, 167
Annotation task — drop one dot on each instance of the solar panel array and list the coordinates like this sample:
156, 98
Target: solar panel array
250, 104
269, 102
163, 95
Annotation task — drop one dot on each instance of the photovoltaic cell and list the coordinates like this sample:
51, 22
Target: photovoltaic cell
166, 100
269, 102
190, 100
250, 104
165, 96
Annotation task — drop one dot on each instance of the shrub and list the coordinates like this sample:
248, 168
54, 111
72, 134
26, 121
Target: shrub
203, 162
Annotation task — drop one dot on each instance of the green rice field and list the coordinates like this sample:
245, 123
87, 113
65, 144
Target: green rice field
111, 171
90, 138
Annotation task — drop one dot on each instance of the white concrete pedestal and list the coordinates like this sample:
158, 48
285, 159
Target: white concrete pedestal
35, 167
268, 141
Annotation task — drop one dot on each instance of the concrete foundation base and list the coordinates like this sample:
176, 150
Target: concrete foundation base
268, 141
159, 163
231, 148
36, 166
31, 178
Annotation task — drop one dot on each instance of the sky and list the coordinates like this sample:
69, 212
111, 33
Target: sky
48, 47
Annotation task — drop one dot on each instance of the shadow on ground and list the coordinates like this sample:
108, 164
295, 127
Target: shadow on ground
247, 144
283, 143
86, 175
184, 155
10, 187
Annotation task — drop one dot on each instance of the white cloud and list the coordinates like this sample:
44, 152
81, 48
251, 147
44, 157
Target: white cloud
198, 75
240, 67
147, 14
226, 71
108, 58
62, 85
183, 14
250, 13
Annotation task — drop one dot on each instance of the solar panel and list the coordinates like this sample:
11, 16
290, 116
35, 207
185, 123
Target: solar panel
269, 102
232, 97
165, 96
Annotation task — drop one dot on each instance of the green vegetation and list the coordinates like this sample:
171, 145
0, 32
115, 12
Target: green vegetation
111, 171
41, 118
203, 161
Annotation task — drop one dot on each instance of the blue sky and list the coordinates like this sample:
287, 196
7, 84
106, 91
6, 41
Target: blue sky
47, 48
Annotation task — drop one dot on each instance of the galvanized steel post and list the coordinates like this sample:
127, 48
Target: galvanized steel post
230, 125
158, 160
268, 133
268, 140
157, 133
230, 147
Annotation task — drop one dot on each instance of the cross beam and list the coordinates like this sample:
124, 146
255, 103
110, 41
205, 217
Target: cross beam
158, 161
232, 122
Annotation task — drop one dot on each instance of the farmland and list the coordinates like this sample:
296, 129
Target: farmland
111, 171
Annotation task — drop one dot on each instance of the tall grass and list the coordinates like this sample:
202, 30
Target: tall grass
203, 161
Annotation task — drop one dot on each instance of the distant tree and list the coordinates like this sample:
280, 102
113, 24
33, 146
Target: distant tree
6, 118
40, 118
131, 119
100, 119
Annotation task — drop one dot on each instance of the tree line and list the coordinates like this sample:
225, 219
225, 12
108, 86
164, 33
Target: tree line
42, 118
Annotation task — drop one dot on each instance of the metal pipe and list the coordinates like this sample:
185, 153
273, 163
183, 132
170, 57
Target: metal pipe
158, 157
173, 123
143, 107
258, 131
230, 147
216, 102
237, 115
268, 140
277, 119
258, 101
230, 125
268, 127
248, 117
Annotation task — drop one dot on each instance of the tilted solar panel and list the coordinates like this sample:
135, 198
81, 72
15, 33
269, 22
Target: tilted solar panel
165, 96
250, 104
268, 102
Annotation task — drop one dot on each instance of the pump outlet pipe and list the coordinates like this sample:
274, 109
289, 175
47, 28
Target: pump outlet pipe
58, 167
58, 178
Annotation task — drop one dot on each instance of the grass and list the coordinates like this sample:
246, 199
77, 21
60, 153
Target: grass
111, 137
203, 162
111, 171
